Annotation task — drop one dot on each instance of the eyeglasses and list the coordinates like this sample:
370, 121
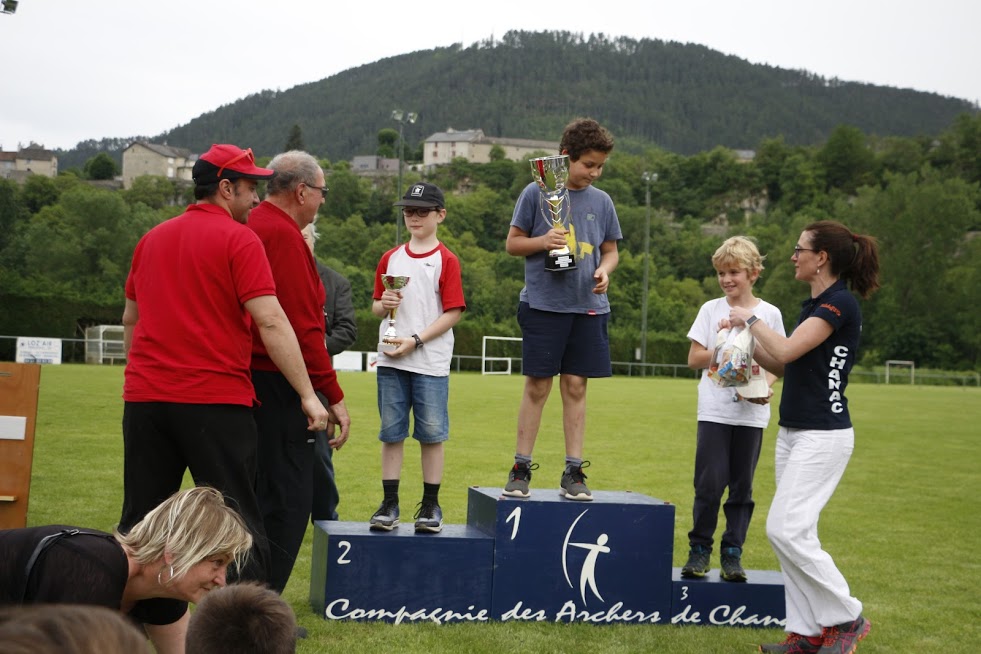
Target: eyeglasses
798, 249
422, 212
323, 189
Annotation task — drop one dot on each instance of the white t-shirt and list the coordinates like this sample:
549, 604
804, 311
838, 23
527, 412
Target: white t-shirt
435, 286
715, 404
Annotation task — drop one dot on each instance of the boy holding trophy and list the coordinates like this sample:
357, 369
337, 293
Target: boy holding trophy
567, 231
420, 282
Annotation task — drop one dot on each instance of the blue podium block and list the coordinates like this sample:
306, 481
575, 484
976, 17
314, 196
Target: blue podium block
602, 562
401, 576
759, 602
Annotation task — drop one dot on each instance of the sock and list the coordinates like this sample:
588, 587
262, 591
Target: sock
572, 463
521, 459
391, 489
430, 493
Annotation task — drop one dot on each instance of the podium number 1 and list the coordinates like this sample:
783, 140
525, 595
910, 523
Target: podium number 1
516, 516
345, 547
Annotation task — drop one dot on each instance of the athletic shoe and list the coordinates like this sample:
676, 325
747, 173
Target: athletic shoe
698, 562
429, 517
518, 480
386, 518
732, 568
795, 644
573, 486
843, 638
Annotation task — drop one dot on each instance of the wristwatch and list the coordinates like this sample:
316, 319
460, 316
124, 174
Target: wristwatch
751, 320
418, 341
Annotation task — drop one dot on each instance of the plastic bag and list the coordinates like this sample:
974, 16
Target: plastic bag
732, 359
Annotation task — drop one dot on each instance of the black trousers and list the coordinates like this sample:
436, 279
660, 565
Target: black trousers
284, 481
216, 442
725, 456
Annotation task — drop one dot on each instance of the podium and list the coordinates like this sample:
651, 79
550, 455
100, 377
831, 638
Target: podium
540, 559
19, 385
562, 560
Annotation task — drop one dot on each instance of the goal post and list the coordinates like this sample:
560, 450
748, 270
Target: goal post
896, 363
495, 363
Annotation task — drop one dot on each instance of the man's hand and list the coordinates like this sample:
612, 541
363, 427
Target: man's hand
340, 417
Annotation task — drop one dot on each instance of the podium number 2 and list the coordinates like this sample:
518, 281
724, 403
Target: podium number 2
516, 516
345, 547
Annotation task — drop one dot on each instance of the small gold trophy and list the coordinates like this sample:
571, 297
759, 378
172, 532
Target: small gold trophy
551, 174
392, 283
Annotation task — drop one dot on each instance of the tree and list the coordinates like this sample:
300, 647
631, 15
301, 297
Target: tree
295, 140
847, 159
101, 166
388, 139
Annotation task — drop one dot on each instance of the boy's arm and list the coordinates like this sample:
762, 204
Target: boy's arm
609, 260
699, 356
407, 344
519, 244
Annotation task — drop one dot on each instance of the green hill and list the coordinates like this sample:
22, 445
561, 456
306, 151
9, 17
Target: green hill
681, 97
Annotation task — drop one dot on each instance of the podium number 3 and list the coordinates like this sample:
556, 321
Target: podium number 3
516, 516
345, 547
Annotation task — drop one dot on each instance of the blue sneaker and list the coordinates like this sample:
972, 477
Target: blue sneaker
386, 518
429, 517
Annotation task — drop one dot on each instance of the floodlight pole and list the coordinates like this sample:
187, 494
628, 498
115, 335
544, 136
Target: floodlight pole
648, 178
401, 117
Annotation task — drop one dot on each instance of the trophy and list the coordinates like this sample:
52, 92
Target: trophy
392, 283
551, 174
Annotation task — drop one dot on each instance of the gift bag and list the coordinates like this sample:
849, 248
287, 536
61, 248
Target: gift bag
757, 386
732, 359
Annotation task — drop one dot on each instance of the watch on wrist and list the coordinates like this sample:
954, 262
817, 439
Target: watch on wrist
418, 341
751, 320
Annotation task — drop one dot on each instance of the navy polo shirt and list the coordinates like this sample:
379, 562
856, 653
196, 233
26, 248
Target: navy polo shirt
814, 385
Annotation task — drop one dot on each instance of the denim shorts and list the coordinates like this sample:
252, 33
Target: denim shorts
427, 397
567, 343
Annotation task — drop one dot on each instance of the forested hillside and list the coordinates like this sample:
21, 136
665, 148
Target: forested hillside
65, 246
680, 97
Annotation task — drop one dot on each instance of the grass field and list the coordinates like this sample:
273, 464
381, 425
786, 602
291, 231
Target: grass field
900, 527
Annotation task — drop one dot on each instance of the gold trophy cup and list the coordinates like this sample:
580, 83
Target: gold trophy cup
392, 283
551, 174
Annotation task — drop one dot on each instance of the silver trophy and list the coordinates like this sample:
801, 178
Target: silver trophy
551, 174
392, 283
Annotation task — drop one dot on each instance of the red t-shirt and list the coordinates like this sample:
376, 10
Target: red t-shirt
301, 294
190, 278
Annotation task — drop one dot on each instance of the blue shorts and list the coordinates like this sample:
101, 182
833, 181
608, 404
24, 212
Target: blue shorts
425, 395
567, 343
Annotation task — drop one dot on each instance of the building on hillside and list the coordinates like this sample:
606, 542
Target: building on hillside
32, 160
374, 164
142, 158
443, 147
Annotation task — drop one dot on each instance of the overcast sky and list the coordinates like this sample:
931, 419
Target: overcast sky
77, 69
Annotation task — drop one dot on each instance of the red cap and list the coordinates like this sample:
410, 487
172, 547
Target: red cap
225, 161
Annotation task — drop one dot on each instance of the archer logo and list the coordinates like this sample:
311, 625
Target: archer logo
587, 575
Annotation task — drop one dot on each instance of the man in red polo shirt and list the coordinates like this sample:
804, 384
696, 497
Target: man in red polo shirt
198, 285
284, 483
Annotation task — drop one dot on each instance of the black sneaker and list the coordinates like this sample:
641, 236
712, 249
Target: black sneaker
518, 480
698, 562
429, 517
732, 569
386, 518
843, 638
573, 485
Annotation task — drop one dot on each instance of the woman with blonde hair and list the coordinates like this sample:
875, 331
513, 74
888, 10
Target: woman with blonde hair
179, 551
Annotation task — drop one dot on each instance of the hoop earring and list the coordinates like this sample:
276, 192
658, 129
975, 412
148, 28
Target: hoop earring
160, 574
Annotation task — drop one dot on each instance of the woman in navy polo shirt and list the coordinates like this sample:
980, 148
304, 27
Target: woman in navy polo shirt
816, 438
